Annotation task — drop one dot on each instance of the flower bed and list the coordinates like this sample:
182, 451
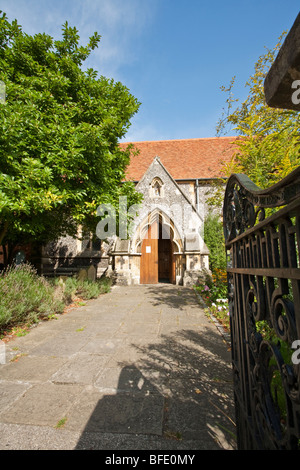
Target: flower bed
214, 294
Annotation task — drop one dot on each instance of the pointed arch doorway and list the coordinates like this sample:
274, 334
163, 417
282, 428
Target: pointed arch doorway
157, 254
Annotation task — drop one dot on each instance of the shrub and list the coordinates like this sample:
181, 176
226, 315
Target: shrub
73, 287
214, 294
213, 289
214, 239
86, 289
25, 296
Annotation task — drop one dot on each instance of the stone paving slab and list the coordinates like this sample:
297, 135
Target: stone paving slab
42, 405
32, 369
122, 413
141, 367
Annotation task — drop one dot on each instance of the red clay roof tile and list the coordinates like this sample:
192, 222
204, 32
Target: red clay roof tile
184, 159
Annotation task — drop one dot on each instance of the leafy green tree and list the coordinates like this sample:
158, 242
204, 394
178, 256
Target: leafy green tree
268, 143
59, 133
214, 239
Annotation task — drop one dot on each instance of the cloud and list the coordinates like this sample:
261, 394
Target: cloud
121, 23
142, 129
141, 132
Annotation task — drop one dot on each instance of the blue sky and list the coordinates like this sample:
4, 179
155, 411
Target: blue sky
173, 55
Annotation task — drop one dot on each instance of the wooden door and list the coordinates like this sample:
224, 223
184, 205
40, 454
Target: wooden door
172, 264
149, 258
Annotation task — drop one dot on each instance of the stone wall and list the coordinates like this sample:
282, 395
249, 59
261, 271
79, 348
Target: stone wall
69, 256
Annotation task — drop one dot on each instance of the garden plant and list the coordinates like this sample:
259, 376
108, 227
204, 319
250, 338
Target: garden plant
27, 298
213, 289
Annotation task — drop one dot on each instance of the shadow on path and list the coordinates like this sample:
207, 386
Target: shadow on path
178, 395
172, 296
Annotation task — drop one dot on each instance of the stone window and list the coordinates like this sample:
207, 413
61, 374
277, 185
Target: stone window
156, 188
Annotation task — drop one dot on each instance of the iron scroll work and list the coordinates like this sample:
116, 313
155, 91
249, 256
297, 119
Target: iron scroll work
262, 237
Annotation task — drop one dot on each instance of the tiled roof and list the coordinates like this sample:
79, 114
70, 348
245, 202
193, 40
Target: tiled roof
184, 159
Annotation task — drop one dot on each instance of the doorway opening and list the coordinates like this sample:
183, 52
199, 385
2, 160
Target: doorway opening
165, 256
157, 260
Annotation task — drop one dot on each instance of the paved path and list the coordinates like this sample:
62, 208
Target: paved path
139, 368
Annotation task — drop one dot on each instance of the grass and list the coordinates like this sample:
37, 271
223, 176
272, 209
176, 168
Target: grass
61, 423
26, 298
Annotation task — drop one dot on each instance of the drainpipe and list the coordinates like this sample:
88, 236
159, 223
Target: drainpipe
197, 194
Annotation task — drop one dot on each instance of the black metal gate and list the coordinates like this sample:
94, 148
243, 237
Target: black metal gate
262, 234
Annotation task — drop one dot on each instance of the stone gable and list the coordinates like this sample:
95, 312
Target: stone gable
169, 205
173, 202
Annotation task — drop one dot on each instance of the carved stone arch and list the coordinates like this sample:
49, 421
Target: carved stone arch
166, 222
156, 188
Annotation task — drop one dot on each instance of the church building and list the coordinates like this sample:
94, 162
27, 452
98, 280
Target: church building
165, 242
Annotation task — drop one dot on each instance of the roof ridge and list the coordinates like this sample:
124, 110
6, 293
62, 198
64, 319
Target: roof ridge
179, 140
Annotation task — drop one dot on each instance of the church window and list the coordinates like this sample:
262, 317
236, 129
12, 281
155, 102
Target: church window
157, 187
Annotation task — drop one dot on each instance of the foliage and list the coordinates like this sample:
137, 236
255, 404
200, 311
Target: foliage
214, 239
59, 133
214, 196
213, 292
268, 142
73, 287
213, 289
26, 297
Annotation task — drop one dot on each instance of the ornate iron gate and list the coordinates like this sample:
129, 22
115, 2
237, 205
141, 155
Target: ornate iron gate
262, 235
